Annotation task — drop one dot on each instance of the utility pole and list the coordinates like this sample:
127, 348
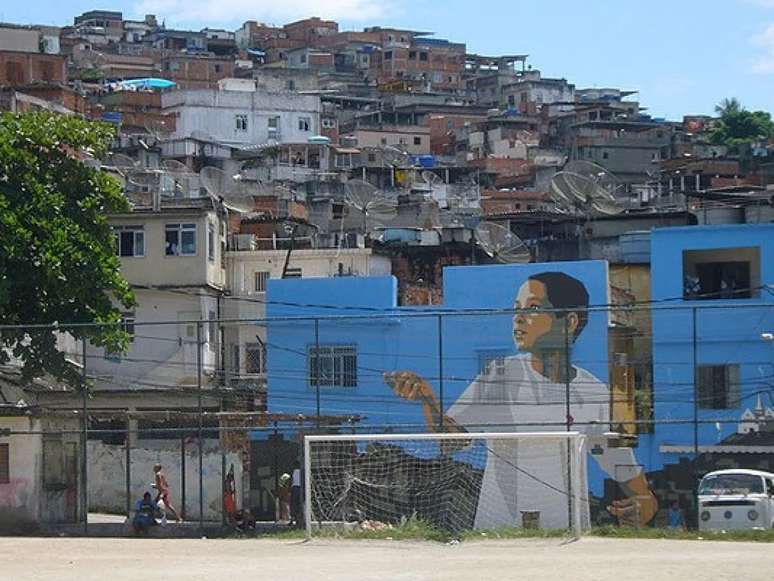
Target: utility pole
85, 441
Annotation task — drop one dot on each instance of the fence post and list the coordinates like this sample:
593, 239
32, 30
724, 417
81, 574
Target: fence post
317, 369
695, 371
182, 477
440, 372
568, 415
128, 472
201, 437
85, 438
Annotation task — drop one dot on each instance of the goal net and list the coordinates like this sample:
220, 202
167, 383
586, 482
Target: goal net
454, 482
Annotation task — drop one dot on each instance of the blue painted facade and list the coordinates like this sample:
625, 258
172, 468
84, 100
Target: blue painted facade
727, 332
362, 313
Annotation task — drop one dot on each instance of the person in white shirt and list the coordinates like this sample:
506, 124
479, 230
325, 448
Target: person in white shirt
551, 312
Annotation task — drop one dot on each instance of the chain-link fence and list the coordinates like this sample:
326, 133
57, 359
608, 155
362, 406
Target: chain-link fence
664, 393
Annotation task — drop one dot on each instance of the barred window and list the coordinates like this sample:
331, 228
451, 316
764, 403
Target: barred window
255, 358
718, 386
332, 366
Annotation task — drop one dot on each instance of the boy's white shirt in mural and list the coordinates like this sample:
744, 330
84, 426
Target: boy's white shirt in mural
519, 395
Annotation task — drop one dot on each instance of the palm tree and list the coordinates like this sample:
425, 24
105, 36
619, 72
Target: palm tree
728, 106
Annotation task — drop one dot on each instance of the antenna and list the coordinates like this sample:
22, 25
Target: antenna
501, 244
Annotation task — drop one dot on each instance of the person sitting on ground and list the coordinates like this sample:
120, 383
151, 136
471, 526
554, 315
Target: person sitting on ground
145, 514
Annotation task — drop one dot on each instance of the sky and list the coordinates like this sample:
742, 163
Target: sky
683, 56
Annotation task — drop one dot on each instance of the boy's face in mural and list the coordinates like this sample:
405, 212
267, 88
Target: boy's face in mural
534, 329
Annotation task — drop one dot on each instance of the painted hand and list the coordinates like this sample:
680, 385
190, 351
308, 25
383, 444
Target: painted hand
635, 511
408, 385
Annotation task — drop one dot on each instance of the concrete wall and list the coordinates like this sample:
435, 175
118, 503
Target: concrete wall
44, 480
20, 497
214, 113
156, 268
161, 354
107, 476
19, 39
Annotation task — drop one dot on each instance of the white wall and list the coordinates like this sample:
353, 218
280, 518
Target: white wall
214, 113
107, 475
164, 354
20, 498
156, 268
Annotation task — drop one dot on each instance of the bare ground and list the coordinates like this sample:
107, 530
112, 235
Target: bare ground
221, 560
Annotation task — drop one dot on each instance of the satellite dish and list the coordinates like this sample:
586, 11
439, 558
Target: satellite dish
122, 162
501, 244
223, 187
395, 157
367, 200
174, 165
586, 187
158, 129
431, 178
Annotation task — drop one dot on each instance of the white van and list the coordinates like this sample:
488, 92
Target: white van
736, 499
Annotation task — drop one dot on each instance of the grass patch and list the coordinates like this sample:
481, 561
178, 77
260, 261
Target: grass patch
766, 536
416, 529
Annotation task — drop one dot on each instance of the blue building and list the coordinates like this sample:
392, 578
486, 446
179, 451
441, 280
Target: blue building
330, 342
713, 367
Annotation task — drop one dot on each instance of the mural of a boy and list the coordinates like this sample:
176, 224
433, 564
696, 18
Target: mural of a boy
551, 311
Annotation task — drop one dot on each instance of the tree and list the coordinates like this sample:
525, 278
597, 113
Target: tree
58, 263
738, 126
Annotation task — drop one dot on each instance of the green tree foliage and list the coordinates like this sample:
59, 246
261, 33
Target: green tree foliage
58, 263
738, 126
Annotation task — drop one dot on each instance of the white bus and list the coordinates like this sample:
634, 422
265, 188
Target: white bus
736, 499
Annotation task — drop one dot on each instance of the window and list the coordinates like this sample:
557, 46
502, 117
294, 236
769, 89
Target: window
304, 123
717, 386
329, 123
261, 278
217, 68
240, 122
180, 239
127, 323
417, 141
5, 464
412, 55
273, 124
293, 273
383, 141
724, 273
423, 57
211, 242
130, 241
290, 85
332, 366
388, 55
605, 155
255, 358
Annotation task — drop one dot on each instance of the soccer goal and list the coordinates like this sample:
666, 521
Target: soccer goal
451, 481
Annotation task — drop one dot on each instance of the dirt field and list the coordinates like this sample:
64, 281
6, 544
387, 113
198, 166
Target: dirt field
215, 560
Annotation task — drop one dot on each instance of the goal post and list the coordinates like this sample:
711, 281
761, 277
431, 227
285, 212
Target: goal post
452, 481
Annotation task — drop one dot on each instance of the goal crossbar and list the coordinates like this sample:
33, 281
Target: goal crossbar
574, 460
